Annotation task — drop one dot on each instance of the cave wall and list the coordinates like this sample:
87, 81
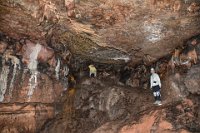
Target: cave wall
111, 32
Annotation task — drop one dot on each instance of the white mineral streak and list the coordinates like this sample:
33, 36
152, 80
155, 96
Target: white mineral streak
66, 70
32, 66
126, 59
154, 29
57, 69
3, 81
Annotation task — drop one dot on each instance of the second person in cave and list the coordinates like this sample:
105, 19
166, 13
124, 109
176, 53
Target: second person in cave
155, 85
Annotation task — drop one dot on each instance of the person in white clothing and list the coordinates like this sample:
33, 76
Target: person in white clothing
155, 86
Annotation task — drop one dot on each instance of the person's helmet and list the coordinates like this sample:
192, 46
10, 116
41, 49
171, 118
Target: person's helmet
152, 69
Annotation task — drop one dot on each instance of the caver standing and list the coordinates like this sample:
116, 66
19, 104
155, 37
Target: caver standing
155, 86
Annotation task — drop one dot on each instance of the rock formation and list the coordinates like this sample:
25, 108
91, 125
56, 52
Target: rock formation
47, 45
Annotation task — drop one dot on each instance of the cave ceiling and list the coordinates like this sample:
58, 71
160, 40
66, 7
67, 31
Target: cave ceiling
105, 31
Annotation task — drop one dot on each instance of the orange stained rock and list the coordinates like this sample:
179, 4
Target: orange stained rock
164, 125
193, 55
184, 131
144, 126
71, 91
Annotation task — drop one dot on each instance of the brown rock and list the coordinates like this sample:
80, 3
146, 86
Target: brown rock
180, 108
46, 54
133, 82
69, 4
174, 86
190, 115
188, 102
19, 118
9, 130
3, 47
192, 80
71, 13
194, 7
18, 48
52, 61
177, 5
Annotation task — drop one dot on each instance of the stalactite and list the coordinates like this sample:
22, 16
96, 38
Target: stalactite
32, 66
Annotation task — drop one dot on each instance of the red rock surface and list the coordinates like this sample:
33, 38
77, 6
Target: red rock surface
21, 118
153, 122
108, 33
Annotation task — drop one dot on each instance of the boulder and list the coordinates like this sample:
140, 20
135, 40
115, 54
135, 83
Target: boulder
174, 86
111, 101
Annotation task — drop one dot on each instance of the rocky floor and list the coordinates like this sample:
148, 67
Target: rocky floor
103, 106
